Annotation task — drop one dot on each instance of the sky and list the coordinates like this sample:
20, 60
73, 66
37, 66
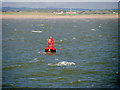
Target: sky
83, 5
60, 0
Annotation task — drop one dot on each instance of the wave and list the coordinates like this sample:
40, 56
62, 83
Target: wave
34, 61
36, 31
11, 39
63, 63
11, 67
93, 30
42, 53
75, 82
39, 25
74, 38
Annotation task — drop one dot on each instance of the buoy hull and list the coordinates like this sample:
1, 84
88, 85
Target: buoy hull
50, 49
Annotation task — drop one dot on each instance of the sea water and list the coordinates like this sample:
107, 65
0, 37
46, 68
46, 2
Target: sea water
86, 56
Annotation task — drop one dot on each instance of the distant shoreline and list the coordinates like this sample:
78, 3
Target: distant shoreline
58, 17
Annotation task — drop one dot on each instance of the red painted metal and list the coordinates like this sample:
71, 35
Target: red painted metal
50, 45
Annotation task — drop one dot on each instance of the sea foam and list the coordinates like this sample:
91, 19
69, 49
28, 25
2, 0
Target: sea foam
36, 31
63, 63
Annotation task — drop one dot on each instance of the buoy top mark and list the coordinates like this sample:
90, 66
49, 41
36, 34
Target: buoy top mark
50, 43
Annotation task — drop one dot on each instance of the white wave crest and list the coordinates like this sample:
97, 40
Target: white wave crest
36, 31
93, 30
63, 63
33, 61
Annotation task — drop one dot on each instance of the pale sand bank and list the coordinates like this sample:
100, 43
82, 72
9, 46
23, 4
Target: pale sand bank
57, 17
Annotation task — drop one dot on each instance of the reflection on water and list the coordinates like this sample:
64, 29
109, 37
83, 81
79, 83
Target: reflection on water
50, 53
86, 54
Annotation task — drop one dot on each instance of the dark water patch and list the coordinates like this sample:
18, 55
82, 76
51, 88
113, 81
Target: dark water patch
79, 84
35, 61
36, 79
97, 63
81, 50
5, 86
12, 67
75, 82
41, 58
63, 42
36, 75
65, 53
32, 64
83, 81
89, 72
50, 69
87, 37
19, 63
58, 79
11, 40
81, 53
23, 87
19, 31
69, 71
64, 48
11, 33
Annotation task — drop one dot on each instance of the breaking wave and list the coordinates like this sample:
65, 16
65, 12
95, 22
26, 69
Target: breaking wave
63, 63
36, 31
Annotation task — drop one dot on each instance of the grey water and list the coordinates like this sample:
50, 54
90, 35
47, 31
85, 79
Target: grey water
86, 56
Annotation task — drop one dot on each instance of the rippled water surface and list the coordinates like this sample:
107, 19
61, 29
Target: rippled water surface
86, 54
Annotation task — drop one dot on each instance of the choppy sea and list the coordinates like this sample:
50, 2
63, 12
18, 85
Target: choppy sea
86, 56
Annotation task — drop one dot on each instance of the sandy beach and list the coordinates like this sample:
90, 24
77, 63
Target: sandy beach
57, 17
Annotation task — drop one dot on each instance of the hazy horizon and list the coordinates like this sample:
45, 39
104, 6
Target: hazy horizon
83, 5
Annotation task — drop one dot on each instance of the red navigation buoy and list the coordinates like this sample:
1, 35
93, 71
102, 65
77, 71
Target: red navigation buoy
50, 45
